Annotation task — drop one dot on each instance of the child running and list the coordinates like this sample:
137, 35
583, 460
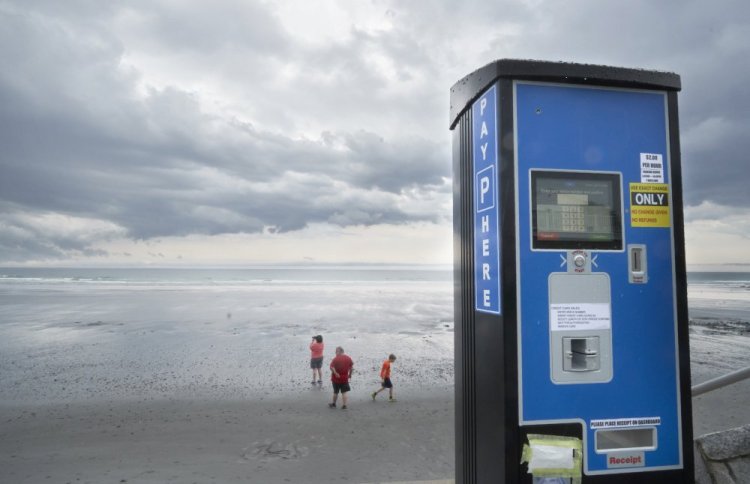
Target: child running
385, 376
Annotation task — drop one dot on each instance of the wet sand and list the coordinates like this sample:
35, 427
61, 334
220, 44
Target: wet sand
174, 429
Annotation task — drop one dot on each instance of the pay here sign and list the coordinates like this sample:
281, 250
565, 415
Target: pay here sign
486, 209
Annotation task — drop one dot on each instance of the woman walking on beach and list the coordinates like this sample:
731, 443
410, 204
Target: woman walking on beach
316, 358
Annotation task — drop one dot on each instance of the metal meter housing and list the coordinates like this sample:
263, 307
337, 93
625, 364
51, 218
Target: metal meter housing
570, 294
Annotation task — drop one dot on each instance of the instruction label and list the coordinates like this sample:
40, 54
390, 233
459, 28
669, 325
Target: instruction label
649, 205
652, 168
625, 422
568, 317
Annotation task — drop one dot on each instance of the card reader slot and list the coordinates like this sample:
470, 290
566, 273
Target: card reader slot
637, 264
581, 354
637, 259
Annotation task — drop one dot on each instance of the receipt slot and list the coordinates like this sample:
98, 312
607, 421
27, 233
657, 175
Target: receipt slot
570, 288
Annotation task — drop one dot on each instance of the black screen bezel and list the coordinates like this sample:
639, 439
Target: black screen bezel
615, 244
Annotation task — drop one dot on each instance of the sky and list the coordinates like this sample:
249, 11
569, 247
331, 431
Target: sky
233, 133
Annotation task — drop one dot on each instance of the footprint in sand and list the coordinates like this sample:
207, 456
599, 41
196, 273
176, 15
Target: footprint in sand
270, 450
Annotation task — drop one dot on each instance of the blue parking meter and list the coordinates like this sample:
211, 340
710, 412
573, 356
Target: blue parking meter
570, 295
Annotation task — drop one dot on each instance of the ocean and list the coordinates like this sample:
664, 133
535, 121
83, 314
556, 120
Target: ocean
111, 334
719, 295
165, 276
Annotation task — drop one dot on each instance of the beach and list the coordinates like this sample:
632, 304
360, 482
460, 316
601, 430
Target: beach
144, 378
719, 344
194, 380
288, 440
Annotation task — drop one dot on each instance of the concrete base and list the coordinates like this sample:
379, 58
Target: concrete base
723, 457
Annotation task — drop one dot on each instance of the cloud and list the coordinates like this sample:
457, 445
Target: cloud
163, 119
722, 218
31, 235
89, 142
716, 234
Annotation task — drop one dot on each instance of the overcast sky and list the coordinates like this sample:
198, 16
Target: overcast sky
177, 132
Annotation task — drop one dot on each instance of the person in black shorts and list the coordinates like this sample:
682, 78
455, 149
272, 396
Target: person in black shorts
341, 370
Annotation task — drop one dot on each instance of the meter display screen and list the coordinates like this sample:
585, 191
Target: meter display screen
576, 210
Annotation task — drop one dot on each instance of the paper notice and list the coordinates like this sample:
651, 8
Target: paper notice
652, 168
550, 457
568, 317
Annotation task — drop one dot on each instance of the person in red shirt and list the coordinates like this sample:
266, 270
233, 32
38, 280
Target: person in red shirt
385, 376
341, 370
316, 358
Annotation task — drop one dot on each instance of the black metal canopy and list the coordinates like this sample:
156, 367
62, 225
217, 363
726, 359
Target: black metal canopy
468, 89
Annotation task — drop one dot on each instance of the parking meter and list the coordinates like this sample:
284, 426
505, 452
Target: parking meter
571, 340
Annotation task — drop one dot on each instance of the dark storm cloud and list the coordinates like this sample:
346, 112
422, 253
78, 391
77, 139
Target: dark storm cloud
80, 140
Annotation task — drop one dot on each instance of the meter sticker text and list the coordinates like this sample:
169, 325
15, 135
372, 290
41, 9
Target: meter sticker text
649, 205
625, 422
652, 168
569, 317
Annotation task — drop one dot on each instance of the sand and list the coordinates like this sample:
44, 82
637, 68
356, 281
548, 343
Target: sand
297, 441
277, 440
87, 430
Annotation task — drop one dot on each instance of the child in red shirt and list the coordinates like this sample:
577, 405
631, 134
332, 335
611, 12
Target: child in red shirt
385, 376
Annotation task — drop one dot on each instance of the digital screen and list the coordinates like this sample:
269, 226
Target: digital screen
576, 210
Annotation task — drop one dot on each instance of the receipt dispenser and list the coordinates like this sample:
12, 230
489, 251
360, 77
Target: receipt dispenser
570, 288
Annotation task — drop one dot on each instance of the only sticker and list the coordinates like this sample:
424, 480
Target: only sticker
649, 205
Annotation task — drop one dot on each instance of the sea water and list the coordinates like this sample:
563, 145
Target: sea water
109, 334
723, 295
719, 307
